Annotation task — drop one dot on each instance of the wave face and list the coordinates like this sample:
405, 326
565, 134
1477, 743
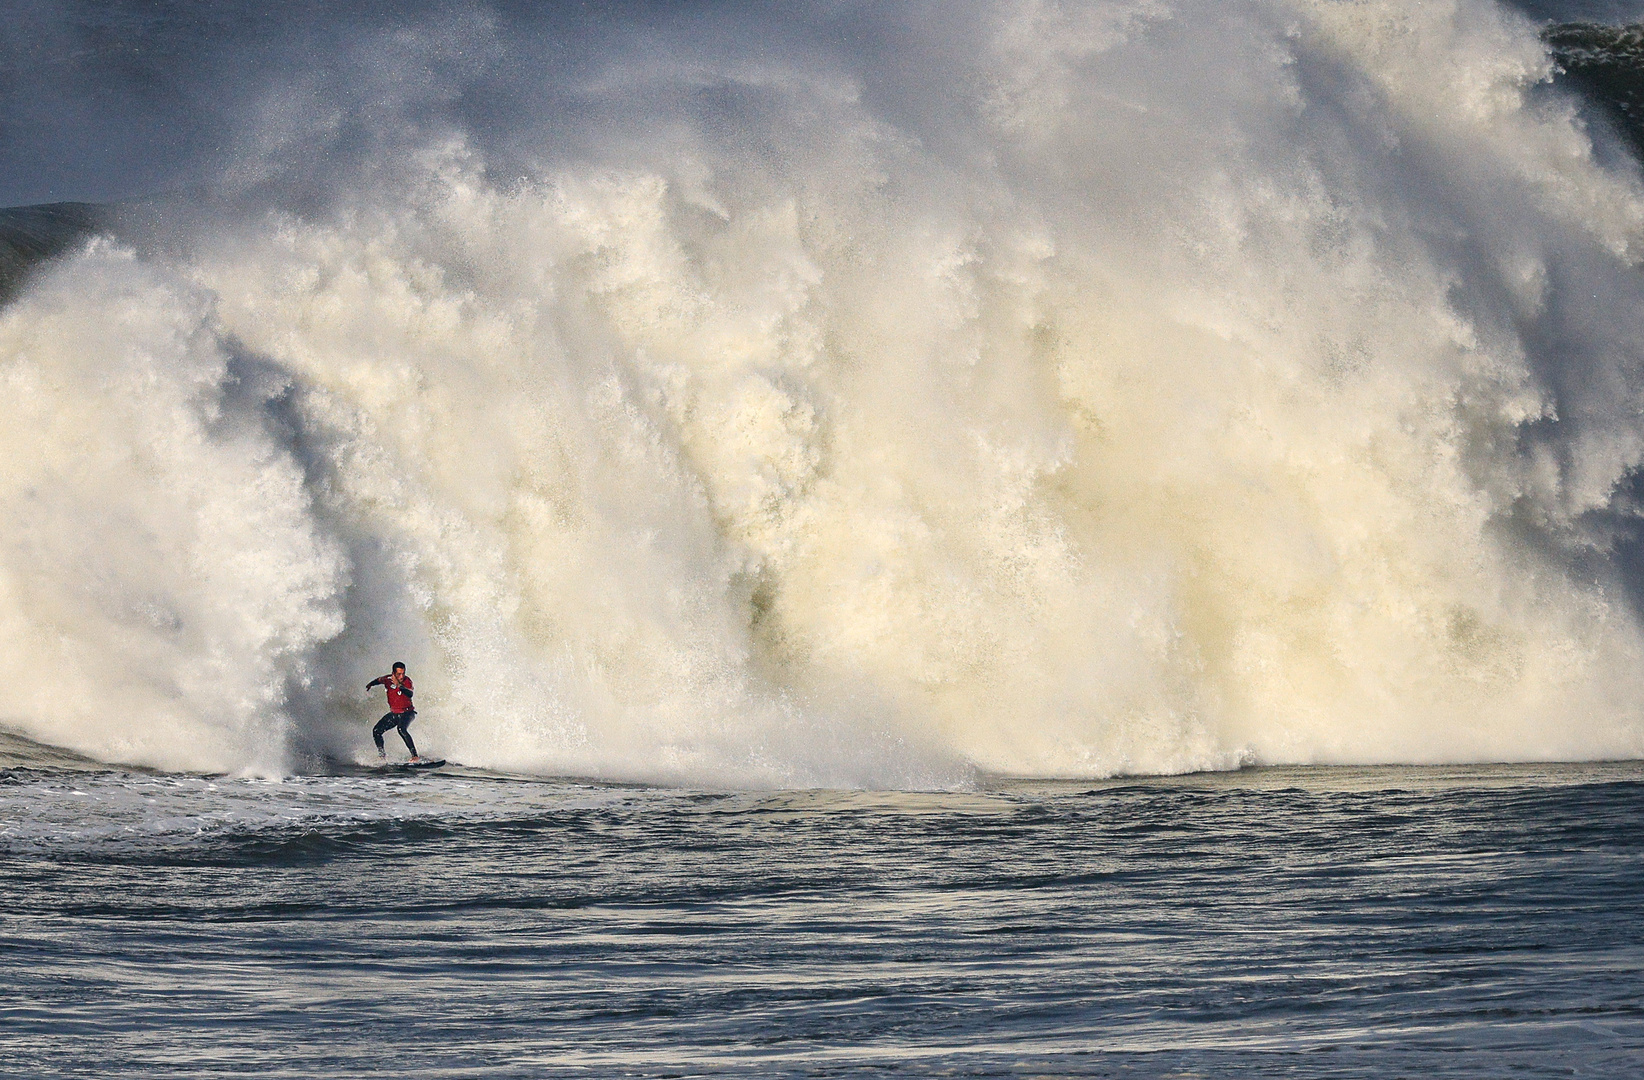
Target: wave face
858, 398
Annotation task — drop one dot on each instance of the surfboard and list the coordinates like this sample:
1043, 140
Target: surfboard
425, 763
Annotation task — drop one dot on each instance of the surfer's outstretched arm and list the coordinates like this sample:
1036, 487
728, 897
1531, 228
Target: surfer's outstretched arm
384, 680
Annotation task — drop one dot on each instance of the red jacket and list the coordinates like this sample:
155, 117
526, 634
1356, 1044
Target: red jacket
399, 697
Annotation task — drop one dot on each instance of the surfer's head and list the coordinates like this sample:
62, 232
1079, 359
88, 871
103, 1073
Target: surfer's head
399, 665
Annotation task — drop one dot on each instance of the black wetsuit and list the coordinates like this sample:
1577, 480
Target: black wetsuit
401, 720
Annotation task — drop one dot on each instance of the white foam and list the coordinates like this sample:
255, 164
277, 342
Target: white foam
1155, 387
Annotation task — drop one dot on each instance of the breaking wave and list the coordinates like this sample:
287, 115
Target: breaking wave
863, 398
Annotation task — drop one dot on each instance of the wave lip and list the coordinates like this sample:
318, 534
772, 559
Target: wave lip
21, 752
30, 235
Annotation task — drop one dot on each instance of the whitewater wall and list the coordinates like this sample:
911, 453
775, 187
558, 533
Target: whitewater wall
1040, 388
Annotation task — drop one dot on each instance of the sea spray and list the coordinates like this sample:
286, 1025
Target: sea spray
163, 578
1047, 389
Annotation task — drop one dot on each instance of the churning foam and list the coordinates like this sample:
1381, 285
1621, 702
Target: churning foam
1068, 389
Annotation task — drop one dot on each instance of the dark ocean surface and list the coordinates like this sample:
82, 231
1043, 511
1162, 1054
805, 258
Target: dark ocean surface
1466, 922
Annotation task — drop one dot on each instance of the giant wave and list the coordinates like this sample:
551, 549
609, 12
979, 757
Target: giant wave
1039, 388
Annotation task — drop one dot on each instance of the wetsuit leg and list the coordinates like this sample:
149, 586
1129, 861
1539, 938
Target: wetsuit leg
389, 720
403, 721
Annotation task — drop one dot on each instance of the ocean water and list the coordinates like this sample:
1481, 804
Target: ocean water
1449, 922
985, 537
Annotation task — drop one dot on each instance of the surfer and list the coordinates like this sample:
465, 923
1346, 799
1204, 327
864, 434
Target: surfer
400, 712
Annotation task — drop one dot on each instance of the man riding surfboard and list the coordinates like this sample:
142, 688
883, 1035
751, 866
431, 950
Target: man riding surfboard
400, 711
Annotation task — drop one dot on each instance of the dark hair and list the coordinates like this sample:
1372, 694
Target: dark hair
399, 665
